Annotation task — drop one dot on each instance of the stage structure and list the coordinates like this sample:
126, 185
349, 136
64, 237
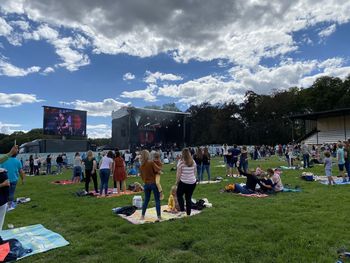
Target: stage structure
323, 127
139, 127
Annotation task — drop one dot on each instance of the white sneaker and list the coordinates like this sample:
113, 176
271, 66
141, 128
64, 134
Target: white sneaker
115, 191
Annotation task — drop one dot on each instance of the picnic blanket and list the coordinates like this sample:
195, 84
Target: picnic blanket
209, 182
151, 215
110, 193
254, 195
338, 181
290, 167
35, 237
291, 190
62, 182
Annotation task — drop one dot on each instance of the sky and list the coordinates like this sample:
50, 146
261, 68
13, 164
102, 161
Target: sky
101, 55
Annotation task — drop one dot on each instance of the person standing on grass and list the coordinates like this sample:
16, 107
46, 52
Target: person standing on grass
198, 158
148, 172
31, 165
59, 162
328, 167
347, 158
106, 166
341, 161
243, 160
206, 162
119, 173
4, 186
77, 168
306, 155
185, 180
14, 169
158, 162
48, 164
90, 171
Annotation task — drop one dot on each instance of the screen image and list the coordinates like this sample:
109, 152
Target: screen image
64, 122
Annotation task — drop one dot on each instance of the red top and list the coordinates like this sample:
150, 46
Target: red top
119, 173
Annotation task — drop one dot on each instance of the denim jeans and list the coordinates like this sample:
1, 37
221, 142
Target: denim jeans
148, 188
59, 168
243, 165
12, 190
347, 168
206, 167
242, 189
48, 168
199, 173
306, 159
104, 174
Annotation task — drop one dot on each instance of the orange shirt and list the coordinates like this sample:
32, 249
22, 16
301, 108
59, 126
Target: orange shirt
148, 172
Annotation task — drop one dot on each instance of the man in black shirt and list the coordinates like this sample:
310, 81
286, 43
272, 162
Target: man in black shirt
249, 188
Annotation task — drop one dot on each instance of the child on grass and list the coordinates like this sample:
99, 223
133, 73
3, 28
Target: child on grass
328, 167
173, 205
157, 161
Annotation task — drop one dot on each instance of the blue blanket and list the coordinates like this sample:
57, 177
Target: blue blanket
293, 190
338, 181
35, 237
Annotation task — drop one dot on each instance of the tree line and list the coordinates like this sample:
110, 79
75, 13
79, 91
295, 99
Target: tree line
259, 119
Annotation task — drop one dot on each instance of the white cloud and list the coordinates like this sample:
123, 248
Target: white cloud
128, 76
240, 31
99, 109
99, 131
147, 94
8, 128
17, 99
158, 76
327, 31
7, 69
5, 28
48, 70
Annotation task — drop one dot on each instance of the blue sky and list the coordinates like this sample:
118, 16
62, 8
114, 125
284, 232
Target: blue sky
99, 56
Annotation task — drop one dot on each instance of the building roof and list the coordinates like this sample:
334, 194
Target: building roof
322, 114
126, 110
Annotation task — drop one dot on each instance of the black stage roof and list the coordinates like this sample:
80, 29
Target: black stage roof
322, 114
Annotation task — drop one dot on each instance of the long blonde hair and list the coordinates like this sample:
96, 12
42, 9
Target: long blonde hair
144, 156
186, 157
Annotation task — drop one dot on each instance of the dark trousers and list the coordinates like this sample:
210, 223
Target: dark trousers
89, 175
186, 189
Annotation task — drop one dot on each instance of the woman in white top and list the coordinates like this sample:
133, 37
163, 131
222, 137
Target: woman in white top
106, 165
77, 170
186, 180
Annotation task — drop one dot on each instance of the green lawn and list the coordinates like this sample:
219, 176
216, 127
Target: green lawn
288, 227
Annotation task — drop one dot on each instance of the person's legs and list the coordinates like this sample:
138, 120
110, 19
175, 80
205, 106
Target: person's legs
180, 193
87, 179
308, 160
118, 187
3, 210
199, 172
123, 183
147, 189
159, 186
347, 168
12, 190
245, 166
102, 180
94, 179
305, 160
106, 180
188, 196
157, 199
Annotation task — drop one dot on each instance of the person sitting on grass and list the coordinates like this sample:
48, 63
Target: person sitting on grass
266, 184
273, 184
157, 161
173, 204
148, 171
249, 187
328, 167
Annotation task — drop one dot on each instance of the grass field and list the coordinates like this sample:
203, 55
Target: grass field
287, 227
